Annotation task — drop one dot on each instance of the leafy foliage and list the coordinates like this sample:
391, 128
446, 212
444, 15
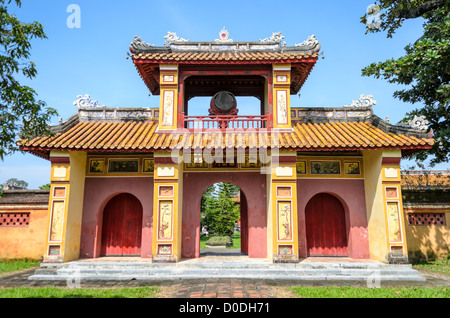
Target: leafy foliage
219, 211
20, 111
423, 69
15, 183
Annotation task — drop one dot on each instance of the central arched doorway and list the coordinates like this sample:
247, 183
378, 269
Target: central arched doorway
122, 226
326, 233
252, 184
223, 214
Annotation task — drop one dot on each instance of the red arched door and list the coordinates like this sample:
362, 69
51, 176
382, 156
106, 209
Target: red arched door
122, 226
325, 226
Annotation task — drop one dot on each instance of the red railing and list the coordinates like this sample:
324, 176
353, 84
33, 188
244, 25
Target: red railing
225, 122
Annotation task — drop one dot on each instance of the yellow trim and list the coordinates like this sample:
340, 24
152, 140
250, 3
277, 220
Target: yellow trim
283, 70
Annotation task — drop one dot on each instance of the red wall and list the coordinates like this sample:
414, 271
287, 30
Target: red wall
252, 184
97, 192
352, 196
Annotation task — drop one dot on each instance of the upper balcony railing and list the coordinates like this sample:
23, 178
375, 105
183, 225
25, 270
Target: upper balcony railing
222, 122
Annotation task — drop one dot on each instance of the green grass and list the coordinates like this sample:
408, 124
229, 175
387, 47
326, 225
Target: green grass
441, 266
17, 265
55, 292
236, 241
364, 292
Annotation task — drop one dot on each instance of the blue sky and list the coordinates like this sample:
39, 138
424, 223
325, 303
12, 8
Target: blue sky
93, 60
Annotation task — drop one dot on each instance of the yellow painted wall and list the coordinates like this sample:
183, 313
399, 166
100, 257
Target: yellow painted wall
72, 181
375, 204
428, 241
28, 241
173, 179
75, 205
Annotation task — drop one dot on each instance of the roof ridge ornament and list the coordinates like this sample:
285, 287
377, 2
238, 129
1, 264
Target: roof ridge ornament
276, 38
86, 102
419, 122
138, 43
311, 41
173, 37
363, 101
224, 36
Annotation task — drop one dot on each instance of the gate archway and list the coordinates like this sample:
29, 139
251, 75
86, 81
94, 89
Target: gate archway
326, 233
122, 226
253, 185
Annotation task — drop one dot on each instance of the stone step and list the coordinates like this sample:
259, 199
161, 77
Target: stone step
255, 270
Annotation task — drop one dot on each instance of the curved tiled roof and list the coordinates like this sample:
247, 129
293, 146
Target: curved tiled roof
142, 136
226, 57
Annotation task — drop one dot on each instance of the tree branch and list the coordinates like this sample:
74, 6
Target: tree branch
420, 10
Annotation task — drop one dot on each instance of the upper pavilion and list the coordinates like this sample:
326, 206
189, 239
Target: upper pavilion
224, 69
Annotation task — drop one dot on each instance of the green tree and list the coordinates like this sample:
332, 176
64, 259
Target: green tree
45, 186
15, 183
424, 69
222, 212
21, 114
206, 205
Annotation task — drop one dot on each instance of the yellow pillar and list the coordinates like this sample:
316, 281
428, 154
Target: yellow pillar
281, 96
65, 206
168, 105
282, 206
386, 222
168, 190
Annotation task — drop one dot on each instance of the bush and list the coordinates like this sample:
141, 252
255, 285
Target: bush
219, 241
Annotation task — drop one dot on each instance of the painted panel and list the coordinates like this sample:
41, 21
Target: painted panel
325, 167
148, 165
395, 234
123, 165
301, 167
96, 166
282, 115
352, 168
59, 192
391, 193
165, 219
284, 216
57, 220
168, 108
166, 191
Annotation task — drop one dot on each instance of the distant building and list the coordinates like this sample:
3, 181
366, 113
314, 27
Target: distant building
426, 204
23, 223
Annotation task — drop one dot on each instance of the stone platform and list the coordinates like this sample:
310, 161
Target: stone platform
228, 266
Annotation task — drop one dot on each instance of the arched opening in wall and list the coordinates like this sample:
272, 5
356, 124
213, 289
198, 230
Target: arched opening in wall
326, 233
122, 226
223, 221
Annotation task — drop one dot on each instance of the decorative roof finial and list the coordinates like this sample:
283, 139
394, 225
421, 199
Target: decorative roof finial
172, 37
419, 122
224, 36
275, 38
86, 102
137, 43
363, 101
311, 41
